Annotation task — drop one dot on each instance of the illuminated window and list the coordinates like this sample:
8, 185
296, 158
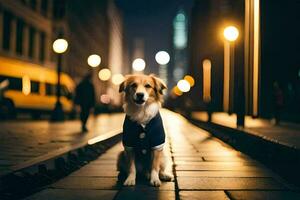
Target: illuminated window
180, 30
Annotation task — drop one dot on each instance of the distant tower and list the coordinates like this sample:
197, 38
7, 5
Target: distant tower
180, 38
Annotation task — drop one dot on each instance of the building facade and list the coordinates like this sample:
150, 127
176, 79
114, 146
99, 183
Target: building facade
97, 30
26, 30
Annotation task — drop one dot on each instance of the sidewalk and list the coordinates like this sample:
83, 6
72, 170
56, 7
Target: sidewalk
203, 166
285, 134
23, 141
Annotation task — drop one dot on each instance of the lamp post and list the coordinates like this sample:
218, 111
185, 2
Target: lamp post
59, 47
231, 33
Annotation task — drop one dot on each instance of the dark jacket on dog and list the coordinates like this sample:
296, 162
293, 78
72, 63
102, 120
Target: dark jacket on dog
144, 139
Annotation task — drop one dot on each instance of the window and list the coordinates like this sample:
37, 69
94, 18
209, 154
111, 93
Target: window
50, 89
33, 4
42, 47
20, 28
35, 87
31, 41
44, 7
6, 30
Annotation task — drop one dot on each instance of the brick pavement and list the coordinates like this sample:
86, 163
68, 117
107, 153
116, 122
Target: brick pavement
204, 168
286, 133
26, 140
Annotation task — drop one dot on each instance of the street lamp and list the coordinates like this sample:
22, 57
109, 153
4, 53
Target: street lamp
138, 64
59, 47
94, 60
230, 33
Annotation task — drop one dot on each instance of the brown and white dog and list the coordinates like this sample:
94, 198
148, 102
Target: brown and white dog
143, 134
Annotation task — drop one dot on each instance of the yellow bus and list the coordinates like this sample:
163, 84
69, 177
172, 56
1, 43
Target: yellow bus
31, 88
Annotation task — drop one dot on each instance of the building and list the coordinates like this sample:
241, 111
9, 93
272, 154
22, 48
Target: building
97, 30
26, 30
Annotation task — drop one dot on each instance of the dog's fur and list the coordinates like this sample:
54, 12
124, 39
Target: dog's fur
142, 110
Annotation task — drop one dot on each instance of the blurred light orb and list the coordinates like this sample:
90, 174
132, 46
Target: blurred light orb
117, 79
190, 79
162, 57
60, 45
138, 64
183, 85
206, 63
105, 99
176, 91
231, 33
94, 60
104, 74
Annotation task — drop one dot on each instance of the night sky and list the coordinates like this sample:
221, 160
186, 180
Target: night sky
151, 20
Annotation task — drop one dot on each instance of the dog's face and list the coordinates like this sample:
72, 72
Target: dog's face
142, 89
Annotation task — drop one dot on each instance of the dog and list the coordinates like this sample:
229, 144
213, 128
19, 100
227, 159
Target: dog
143, 132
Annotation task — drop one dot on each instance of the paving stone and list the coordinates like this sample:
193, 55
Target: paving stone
263, 195
146, 186
95, 173
216, 167
136, 194
201, 195
75, 182
203, 183
258, 173
79, 194
206, 163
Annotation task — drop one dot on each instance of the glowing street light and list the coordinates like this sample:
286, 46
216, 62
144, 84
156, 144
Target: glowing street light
94, 60
117, 79
231, 33
183, 85
104, 74
162, 57
59, 46
138, 64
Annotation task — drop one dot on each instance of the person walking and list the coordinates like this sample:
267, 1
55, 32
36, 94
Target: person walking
85, 98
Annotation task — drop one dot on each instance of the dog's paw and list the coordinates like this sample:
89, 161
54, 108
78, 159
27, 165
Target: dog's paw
166, 177
155, 182
130, 181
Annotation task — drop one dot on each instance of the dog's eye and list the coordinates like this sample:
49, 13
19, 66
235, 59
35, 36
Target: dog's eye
147, 86
133, 85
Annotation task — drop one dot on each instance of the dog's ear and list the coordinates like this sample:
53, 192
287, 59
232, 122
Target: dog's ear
122, 86
159, 84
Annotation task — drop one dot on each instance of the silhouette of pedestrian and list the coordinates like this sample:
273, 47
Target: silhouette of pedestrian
278, 102
85, 98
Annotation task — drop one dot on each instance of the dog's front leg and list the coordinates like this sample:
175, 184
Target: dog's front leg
154, 177
130, 181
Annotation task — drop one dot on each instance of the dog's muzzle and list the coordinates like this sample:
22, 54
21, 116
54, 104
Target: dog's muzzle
139, 98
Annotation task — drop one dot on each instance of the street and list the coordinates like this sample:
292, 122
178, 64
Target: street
204, 168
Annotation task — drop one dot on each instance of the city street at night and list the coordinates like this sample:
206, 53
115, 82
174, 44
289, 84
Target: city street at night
149, 100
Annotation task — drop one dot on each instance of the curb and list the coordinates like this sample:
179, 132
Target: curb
283, 159
31, 176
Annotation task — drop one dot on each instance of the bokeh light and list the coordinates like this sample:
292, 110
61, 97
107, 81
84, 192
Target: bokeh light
60, 45
190, 79
138, 64
117, 79
94, 60
162, 57
104, 74
183, 85
105, 99
176, 91
231, 33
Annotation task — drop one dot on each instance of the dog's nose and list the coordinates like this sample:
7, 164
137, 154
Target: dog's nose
139, 95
